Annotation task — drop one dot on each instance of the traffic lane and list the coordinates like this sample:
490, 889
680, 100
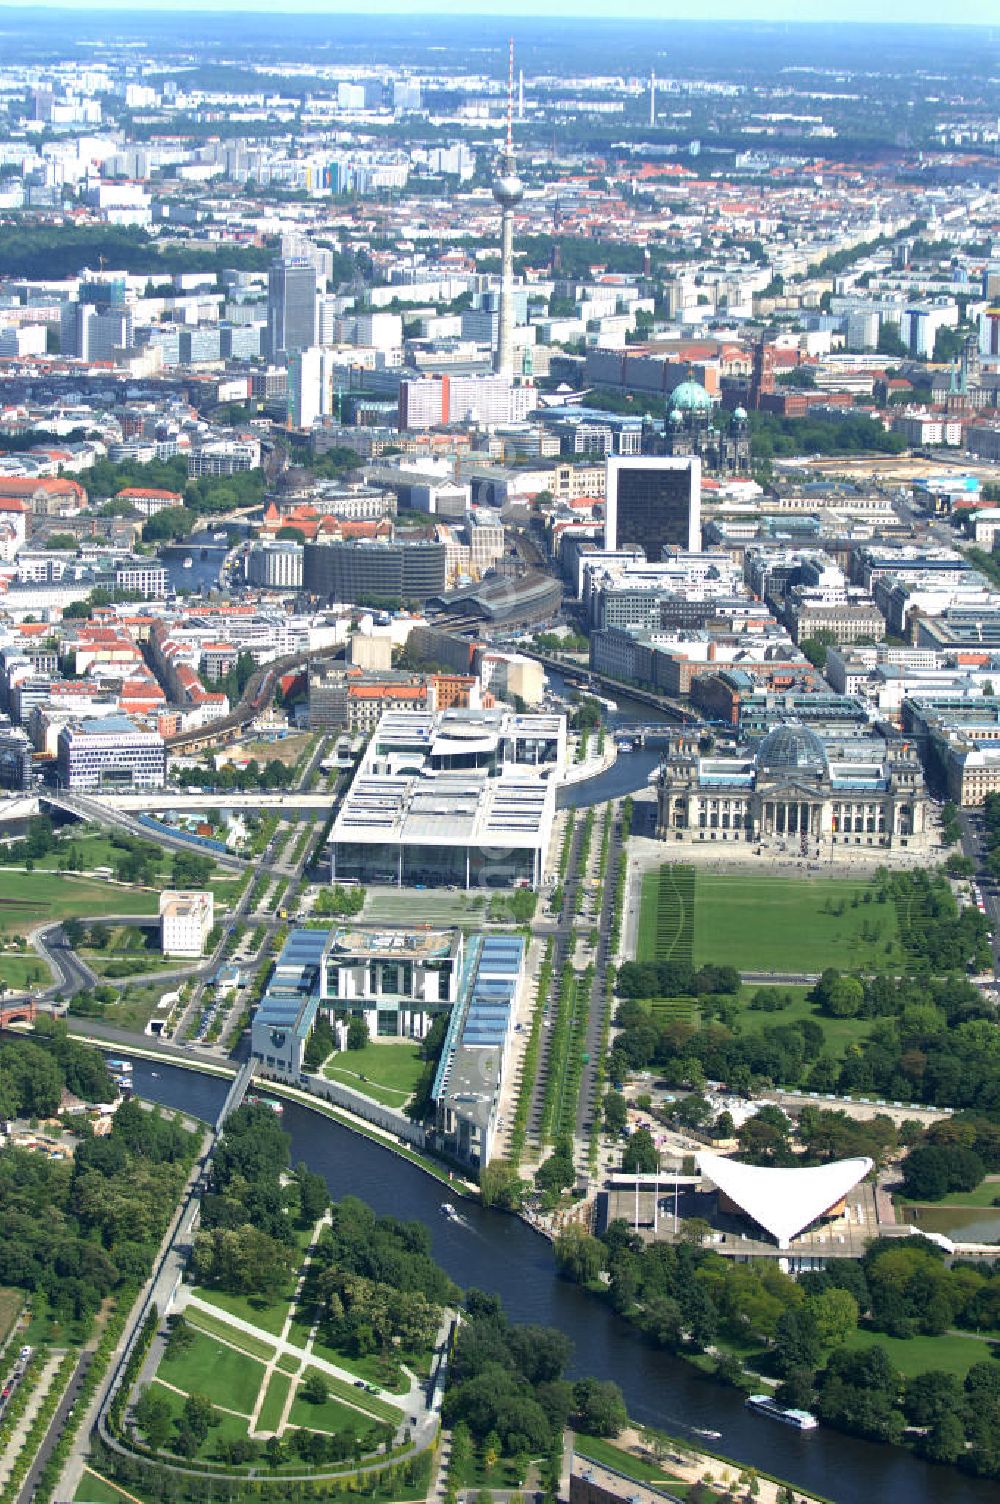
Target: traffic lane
58, 1421
976, 847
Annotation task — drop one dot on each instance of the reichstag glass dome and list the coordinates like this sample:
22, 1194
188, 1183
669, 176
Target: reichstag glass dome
791, 749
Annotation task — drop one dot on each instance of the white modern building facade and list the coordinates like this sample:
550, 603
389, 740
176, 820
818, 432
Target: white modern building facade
186, 920
109, 754
452, 798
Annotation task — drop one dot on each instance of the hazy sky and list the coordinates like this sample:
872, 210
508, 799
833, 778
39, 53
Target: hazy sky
907, 12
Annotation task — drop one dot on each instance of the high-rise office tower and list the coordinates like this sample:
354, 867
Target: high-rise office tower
508, 191
310, 377
292, 306
653, 504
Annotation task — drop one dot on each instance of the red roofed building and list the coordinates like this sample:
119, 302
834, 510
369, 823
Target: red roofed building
148, 500
46, 496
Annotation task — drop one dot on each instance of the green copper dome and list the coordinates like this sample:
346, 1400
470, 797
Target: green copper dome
691, 397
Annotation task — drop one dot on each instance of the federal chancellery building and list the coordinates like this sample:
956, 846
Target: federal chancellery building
796, 790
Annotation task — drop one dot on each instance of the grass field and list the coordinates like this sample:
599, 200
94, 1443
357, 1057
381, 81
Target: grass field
373, 1368
97, 1490
599, 1450
215, 1326
205, 1366
228, 1428
131, 951
983, 1195
757, 922
345, 1407
666, 915
94, 848
668, 1010
269, 1315
915, 1355
31, 898
839, 1033
339, 1389
22, 972
11, 1302
274, 1402
288, 750
391, 1071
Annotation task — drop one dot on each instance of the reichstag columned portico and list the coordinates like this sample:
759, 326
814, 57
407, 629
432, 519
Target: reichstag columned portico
793, 791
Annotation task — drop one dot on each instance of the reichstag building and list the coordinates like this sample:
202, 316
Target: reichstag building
795, 791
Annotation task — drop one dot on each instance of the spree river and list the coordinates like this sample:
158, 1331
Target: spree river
631, 770
499, 1253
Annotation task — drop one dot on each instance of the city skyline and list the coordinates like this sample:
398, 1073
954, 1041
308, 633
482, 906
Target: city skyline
972, 13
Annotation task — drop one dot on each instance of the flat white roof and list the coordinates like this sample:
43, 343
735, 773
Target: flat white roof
783, 1201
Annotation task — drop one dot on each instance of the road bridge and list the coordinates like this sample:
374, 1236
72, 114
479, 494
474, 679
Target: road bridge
290, 801
97, 808
21, 1012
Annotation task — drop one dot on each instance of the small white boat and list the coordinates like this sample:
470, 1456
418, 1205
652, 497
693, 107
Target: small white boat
188, 563
625, 747
705, 1434
448, 1210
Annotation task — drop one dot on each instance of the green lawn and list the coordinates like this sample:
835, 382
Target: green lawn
373, 1369
339, 1389
94, 848
288, 1364
97, 1490
11, 1305
30, 898
131, 1012
919, 1354
205, 1366
215, 1326
391, 1071
121, 960
758, 922
345, 1407
229, 1427
22, 972
839, 1033
599, 1450
269, 1315
274, 1402
984, 1195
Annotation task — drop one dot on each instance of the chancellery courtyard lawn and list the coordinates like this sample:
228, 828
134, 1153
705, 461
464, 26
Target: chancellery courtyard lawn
760, 922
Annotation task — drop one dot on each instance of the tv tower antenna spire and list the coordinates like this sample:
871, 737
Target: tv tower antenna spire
508, 191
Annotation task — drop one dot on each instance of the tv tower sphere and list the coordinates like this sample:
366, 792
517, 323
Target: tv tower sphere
508, 190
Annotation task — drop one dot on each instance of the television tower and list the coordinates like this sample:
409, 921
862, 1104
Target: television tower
508, 190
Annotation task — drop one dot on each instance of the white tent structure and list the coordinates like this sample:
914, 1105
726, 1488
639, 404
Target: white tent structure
783, 1201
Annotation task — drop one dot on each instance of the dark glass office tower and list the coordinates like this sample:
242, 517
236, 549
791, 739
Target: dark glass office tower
292, 307
653, 504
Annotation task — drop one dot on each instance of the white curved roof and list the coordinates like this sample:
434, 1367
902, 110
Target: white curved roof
783, 1201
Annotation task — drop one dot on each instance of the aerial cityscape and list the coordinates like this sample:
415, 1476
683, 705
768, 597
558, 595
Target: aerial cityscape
500, 753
